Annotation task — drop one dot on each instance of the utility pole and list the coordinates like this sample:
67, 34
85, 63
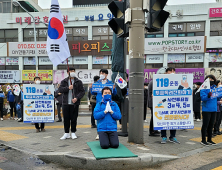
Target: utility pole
136, 72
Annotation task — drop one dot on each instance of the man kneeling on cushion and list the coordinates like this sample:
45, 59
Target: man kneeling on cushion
107, 113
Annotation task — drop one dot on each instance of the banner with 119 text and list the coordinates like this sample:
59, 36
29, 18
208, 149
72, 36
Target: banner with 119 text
38, 103
172, 101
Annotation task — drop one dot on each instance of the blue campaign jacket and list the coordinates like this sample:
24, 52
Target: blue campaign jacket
208, 104
99, 95
10, 96
107, 122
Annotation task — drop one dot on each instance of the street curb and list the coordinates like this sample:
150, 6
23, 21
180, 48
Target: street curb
90, 163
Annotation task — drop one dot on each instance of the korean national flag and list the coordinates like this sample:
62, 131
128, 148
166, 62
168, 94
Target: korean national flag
120, 81
57, 45
205, 85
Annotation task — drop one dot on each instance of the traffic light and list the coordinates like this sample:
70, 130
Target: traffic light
156, 15
117, 24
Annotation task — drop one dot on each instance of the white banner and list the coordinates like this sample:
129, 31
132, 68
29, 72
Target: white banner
7, 76
44, 61
29, 61
172, 101
100, 60
175, 45
194, 58
86, 76
154, 58
38, 103
81, 60
12, 61
16, 49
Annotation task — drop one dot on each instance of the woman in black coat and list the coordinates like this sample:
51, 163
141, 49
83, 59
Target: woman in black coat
196, 101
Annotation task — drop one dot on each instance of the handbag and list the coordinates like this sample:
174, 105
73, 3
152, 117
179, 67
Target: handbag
93, 99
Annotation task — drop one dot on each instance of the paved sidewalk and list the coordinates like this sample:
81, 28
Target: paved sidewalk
48, 146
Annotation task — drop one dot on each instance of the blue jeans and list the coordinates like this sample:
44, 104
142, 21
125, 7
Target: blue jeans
172, 133
19, 113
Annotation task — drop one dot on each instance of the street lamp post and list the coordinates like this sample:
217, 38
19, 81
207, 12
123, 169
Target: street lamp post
36, 58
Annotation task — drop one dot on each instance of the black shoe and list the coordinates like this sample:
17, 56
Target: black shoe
211, 143
20, 120
204, 143
59, 121
93, 126
219, 133
157, 132
154, 134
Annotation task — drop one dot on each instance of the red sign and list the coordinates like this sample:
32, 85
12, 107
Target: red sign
20, 20
215, 12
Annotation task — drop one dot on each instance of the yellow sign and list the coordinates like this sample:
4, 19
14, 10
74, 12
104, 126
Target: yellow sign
45, 75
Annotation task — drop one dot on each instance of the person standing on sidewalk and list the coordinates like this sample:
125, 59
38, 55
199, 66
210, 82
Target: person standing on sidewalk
11, 101
37, 80
107, 113
196, 102
172, 137
73, 91
145, 101
92, 99
209, 109
58, 97
2, 96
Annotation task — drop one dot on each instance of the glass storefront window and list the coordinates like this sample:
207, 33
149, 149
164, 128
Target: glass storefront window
172, 35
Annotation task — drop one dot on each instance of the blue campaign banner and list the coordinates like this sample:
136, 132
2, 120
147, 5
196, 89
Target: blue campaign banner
172, 101
216, 92
2, 95
97, 88
38, 103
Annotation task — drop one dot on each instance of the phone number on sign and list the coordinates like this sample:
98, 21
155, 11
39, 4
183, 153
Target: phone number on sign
30, 46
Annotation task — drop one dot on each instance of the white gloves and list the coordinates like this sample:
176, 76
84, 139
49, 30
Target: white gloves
108, 108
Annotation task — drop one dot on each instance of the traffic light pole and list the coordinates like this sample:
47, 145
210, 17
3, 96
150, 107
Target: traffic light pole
136, 72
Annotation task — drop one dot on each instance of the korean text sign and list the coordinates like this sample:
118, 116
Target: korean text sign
215, 12
45, 75
172, 101
38, 103
97, 88
171, 45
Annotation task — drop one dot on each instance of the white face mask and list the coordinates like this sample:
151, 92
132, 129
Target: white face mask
72, 74
102, 76
172, 73
37, 82
220, 85
146, 87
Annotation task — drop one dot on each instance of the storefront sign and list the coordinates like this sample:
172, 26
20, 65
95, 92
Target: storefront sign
90, 47
81, 60
38, 20
10, 76
12, 61
2, 61
86, 76
194, 58
175, 45
195, 27
215, 57
217, 72
29, 61
38, 103
45, 75
198, 73
215, 12
172, 101
178, 27
100, 60
176, 58
44, 61
26, 49
154, 58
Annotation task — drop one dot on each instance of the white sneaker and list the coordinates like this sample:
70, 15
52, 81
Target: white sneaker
1, 119
74, 136
198, 120
15, 118
145, 121
97, 137
19, 119
65, 136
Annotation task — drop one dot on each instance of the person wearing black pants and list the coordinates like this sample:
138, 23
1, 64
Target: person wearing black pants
209, 109
58, 97
73, 91
145, 100
197, 101
1, 110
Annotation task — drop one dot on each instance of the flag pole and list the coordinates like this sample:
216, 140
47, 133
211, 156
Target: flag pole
68, 70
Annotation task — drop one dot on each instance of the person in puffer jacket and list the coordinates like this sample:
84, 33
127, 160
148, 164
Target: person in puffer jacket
107, 113
209, 109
